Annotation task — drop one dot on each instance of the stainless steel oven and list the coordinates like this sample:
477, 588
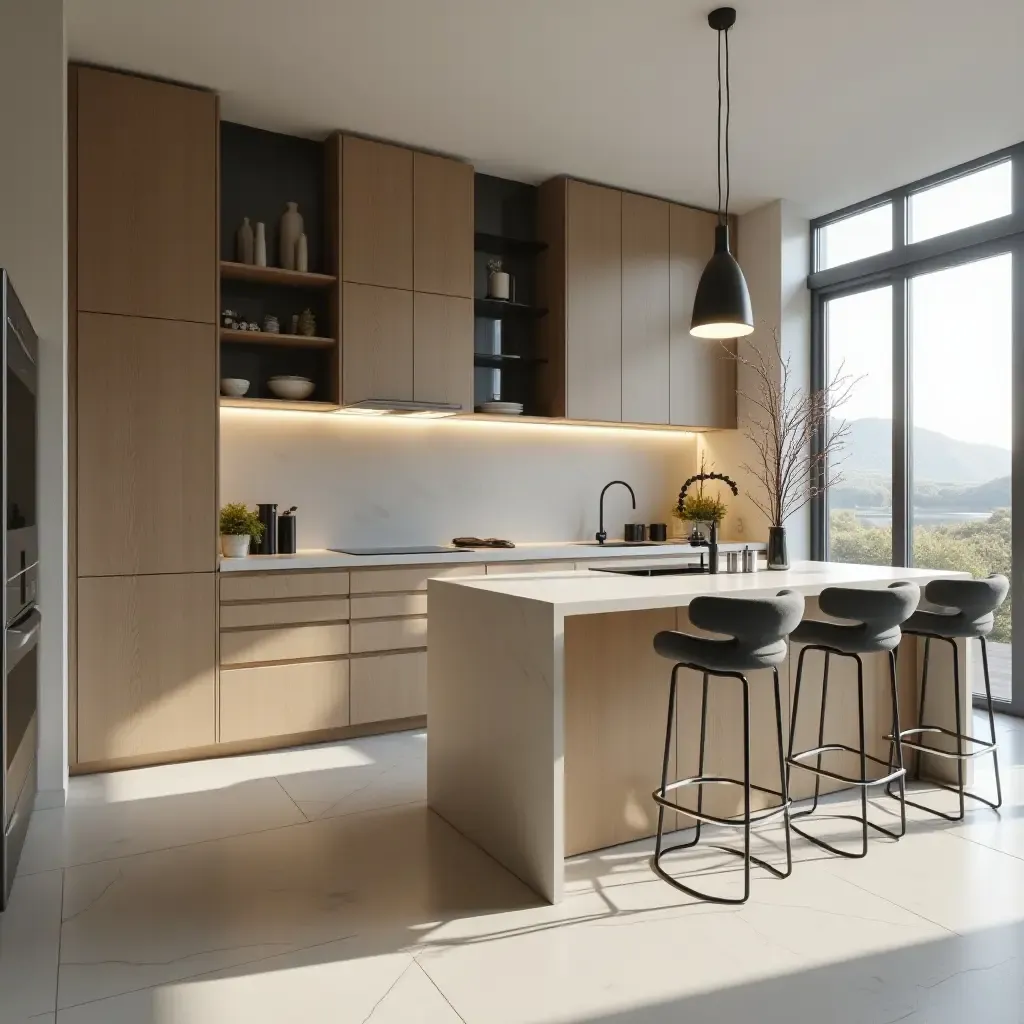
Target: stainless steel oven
19, 681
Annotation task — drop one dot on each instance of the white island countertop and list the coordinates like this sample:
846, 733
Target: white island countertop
561, 551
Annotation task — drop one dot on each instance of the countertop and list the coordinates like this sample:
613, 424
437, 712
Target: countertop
581, 593
564, 551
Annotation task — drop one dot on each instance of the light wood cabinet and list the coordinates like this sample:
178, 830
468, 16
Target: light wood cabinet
283, 643
377, 213
703, 373
146, 665
443, 350
146, 180
645, 309
146, 429
377, 354
270, 586
593, 330
387, 687
273, 613
388, 634
387, 581
442, 226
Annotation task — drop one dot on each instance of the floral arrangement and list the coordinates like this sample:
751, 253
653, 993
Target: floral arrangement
701, 506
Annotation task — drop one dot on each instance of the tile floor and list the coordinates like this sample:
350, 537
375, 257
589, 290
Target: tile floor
313, 885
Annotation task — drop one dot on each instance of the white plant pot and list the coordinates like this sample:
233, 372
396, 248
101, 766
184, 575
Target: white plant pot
234, 545
497, 284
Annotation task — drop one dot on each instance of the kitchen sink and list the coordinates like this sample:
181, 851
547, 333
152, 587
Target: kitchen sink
622, 544
660, 570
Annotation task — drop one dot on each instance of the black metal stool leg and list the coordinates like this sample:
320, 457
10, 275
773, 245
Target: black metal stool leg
991, 724
895, 747
959, 729
783, 775
666, 759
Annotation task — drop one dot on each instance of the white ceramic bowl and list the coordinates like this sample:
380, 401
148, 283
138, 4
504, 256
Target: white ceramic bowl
233, 387
294, 389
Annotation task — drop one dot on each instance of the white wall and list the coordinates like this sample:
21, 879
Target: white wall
33, 247
379, 482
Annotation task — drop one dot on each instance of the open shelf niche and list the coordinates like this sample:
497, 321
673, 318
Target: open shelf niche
261, 171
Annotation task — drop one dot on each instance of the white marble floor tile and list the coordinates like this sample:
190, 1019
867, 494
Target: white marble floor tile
29, 940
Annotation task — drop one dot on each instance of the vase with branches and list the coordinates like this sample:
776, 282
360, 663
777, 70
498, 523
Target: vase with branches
700, 506
796, 435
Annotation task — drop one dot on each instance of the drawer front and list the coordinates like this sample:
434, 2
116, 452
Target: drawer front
284, 613
383, 581
382, 606
245, 646
510, 568
388, 634
244, 586
279, 700
387, 687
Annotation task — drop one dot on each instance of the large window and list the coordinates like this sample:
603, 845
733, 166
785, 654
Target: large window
915, 296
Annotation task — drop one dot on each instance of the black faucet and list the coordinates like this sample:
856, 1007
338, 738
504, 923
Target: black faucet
601, 535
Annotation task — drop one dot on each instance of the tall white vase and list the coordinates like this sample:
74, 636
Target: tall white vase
291, 228
302, 253
244, 242
260, 245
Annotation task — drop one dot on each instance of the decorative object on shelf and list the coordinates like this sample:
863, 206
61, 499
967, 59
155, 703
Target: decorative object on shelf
294, 389
271, 324
267, 513
295, 323
501, 408
302, 254
245, 242
498, 281
287, 540
306, 323
259, 256
234, 387
796, 434
238, 526
701, 508
721, 307
657, 531
228, 318
252, 326
288, 237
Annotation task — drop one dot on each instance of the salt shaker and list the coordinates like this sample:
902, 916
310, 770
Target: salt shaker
749, 560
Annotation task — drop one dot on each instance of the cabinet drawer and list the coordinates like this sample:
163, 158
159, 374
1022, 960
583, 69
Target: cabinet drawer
388, 605
388, 634
510, 568
278, 700
382, 581
283, 613
245, 646
244, 586
388, 686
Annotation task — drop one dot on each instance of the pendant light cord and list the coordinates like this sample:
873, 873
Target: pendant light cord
718, 151
723, 212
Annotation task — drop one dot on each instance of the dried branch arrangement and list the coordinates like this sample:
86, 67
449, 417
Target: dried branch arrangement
797, 436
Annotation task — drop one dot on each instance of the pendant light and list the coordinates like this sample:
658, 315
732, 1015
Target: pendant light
721, 307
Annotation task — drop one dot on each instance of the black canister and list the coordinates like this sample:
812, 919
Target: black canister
657, 531
268, 517
635, 532
287, 540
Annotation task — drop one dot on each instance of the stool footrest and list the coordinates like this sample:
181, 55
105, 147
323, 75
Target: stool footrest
797, 761
983, 746
711, 819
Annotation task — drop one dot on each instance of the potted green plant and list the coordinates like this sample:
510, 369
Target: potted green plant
497, 280
239, 525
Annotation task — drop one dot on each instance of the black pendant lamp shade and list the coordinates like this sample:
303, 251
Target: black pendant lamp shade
721, 307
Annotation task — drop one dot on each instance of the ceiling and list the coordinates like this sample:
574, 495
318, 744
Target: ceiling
834, 100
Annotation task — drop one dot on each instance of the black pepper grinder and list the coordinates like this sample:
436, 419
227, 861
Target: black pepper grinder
268, 517
286, 536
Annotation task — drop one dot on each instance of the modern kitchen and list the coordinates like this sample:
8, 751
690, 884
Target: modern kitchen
453, 624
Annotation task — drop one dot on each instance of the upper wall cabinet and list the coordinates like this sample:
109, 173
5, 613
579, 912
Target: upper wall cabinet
146, 197
442, 226
376, 216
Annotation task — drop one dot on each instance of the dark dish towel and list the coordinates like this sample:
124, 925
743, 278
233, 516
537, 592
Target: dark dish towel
485, 542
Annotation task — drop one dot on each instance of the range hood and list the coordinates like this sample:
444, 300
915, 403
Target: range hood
399, 407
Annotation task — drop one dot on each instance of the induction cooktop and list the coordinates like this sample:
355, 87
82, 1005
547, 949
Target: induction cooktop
419, 549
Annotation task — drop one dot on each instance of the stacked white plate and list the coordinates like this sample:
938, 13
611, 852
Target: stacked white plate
502, 408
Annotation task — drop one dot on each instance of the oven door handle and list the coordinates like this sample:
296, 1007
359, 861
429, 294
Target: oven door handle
18, 639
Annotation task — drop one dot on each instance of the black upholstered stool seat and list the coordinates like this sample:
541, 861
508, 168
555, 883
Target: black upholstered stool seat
871, 625
751, 635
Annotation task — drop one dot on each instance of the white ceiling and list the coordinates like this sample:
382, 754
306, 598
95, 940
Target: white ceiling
834, 100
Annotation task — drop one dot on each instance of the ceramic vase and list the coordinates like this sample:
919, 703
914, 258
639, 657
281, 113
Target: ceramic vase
497, 285
307, 323
244, 242
234, 545
260, 245
288, 237
302, 254
778, 557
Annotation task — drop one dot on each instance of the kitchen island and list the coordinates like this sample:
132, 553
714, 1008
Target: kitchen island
547, 705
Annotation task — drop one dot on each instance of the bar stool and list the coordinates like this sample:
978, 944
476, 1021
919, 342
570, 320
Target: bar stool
874, 627
967, 612
755, 631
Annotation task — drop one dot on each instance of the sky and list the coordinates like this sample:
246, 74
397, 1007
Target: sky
960, 318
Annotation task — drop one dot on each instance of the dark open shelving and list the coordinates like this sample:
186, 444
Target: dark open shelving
502, 245
503, 360
499, 309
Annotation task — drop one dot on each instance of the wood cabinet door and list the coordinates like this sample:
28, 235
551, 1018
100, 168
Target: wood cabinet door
645, 309
703, 373
377, 354
147, 197
593, 340
147, 446
376, 220
147, 654
443, 349
442, 226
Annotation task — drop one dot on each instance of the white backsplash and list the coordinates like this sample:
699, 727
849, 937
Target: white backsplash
380, 482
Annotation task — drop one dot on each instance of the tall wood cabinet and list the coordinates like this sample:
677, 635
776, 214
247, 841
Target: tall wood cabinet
143, 271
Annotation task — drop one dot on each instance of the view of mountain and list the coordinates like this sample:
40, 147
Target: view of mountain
937, 458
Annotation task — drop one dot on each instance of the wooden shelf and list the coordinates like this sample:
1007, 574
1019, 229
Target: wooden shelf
274, 275
503, 360
498, 309
269, 338
277, 403
500, 245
